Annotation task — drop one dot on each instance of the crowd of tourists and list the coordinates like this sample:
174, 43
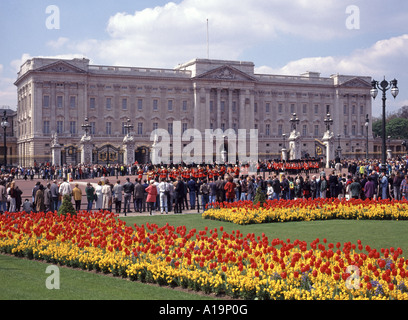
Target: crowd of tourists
148, 188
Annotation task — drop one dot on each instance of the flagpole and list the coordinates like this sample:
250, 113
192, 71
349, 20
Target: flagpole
208, 43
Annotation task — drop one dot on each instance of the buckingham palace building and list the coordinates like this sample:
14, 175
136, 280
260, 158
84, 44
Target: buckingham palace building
56, 98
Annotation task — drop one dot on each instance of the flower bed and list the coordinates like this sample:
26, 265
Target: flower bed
245, 212
213, 261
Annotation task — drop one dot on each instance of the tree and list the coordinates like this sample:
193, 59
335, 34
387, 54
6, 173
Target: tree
396, 128
259, 197
66, 206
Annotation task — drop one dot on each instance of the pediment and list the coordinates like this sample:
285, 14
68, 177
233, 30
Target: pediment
356, 83
226, 73
61, 66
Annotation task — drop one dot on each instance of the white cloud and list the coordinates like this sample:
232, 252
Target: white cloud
7, 90
385, 57
174, 33
59, 43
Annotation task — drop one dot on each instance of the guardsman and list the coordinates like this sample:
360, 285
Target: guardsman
222, 171
150, 174
140, 173
163, 173
210, 172
236, 171
216, 172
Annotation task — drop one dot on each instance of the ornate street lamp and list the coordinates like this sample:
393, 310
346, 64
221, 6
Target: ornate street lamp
384, 86
284, 140
328, 121
128, 127
5, 124
86, 126
294, 121
366, 125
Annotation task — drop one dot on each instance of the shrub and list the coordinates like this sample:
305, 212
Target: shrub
260, 197
66, 206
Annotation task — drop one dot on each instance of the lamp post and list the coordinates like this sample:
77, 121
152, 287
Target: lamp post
5, 124
86, 126
284, 140
384, 86
294, 121
366, 125
128, 127
328, 121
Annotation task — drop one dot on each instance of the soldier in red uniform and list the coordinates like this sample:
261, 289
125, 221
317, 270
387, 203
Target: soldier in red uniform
236, 171
140, 173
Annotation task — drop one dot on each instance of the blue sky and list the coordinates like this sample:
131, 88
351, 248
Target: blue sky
356, 37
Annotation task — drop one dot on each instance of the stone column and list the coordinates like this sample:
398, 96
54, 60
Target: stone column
284, 154
56, 151
329, 143
129, 148
86, 149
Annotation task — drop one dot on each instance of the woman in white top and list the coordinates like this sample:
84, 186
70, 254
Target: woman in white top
163, 190
269, 191
98, 193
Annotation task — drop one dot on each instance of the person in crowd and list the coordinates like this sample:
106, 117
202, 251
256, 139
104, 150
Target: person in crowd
205, 194
151, 196
77, 195
229, 189
138, 196
12, 197
106, 195
28, 206
285, 188
128, 190
90, 196
404, 188
98, 196
3, 196
355, 188
65, 188
213, 191
397, 185
179, 194
323, 187
18, 193
47, 197
117, 196
269, 191
192, 189
39, 199
54, 196
251, 189
369, 188
383, 186
163, 195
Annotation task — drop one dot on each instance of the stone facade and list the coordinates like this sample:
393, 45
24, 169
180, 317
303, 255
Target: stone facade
55, 96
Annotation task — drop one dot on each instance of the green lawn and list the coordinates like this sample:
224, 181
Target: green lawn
22, 279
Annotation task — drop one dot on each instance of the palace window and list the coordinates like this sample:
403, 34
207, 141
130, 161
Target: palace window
46, 127
108, 128
72, 127
60, 126
72, 102
59, 101
46, 101
108, 103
